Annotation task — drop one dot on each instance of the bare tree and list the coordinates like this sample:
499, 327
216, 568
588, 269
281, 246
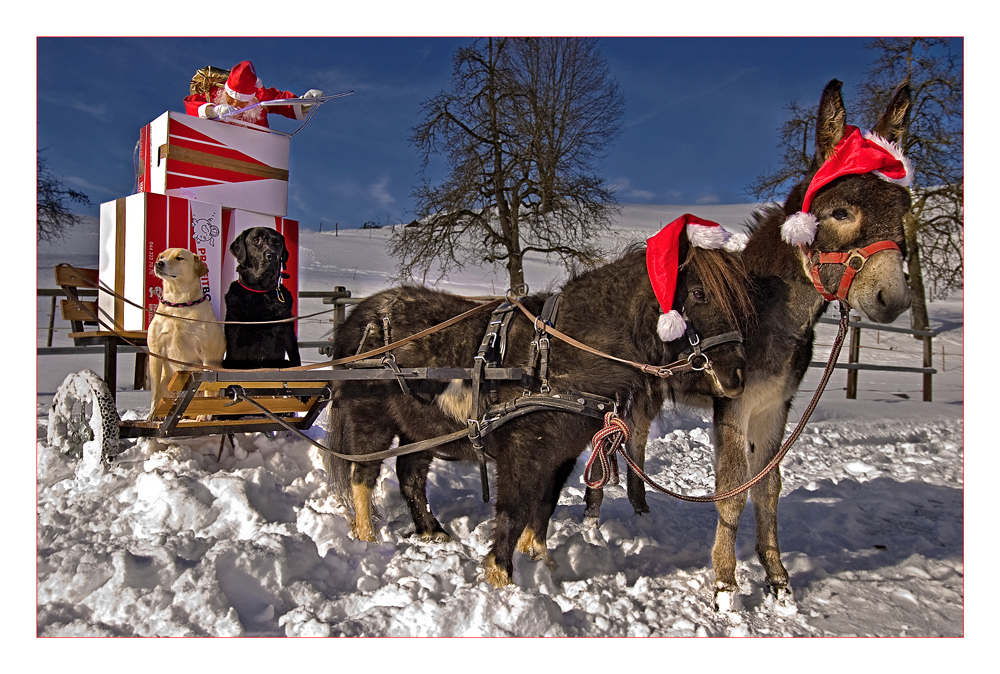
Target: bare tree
524, 123
54, 216
796, 138
933, 140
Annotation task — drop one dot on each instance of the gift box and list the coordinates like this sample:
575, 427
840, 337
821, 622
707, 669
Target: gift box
133, 231
205, 160
235, 221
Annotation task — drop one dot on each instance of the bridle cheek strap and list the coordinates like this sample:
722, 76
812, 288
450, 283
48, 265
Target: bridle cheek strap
853, 261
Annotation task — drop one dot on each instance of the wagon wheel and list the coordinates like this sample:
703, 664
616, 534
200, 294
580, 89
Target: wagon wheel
84, 417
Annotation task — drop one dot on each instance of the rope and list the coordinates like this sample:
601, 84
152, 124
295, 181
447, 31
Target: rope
314, 366
606, 442
101, 286
834, 355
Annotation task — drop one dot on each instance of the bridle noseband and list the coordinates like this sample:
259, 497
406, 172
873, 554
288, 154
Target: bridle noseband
853, 260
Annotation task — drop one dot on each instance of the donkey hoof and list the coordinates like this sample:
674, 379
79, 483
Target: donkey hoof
493, 574
780, 600
433, 537
727, 599
364, 532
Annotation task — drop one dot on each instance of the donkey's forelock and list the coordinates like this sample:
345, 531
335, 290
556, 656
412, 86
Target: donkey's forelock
725, 277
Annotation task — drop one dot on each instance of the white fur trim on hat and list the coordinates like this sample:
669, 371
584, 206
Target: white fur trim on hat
737, 242
799, 229
897, 152
244, 97
707, 237
671, 326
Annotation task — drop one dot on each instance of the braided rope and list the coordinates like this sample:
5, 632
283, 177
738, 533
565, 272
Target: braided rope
834, 355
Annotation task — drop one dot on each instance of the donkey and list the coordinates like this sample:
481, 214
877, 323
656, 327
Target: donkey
847, 214
614, 309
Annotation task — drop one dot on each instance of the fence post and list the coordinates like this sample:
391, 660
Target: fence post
928, 362
52, 322
853, 356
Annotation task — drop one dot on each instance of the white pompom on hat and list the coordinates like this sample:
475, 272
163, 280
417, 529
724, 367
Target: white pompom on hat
857, 153
662, 264
243, 83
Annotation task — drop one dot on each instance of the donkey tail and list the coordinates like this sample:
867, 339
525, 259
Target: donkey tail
338, 470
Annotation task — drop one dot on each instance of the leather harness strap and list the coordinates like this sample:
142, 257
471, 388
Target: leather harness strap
853, 261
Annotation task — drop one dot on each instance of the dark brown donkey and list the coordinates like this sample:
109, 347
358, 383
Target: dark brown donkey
612, 309
846, 214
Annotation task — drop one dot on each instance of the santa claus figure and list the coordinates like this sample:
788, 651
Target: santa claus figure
243, 90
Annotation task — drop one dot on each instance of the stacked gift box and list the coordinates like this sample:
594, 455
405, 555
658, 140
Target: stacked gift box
200, 184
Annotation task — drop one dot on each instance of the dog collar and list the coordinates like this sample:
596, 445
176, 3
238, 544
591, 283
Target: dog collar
205, 296
254, 290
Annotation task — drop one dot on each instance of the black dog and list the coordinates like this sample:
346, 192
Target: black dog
258, 295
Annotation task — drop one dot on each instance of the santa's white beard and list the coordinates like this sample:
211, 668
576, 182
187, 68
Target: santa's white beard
253, 115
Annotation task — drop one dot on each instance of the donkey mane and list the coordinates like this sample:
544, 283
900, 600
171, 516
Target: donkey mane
724, 276
722, 273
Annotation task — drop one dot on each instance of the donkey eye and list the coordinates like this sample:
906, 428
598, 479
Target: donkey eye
699, 295
840, 214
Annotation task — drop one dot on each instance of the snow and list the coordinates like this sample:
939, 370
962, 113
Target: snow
178, 539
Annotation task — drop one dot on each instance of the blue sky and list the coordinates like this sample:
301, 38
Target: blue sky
701, 113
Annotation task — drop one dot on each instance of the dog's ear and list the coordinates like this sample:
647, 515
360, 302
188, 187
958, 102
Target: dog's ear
239, 247
200, 268
284, 251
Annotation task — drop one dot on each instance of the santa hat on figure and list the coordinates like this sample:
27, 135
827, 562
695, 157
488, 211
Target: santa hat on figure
857, 153
243, 83
663, 262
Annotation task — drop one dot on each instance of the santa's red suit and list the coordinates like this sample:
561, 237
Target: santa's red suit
245, 87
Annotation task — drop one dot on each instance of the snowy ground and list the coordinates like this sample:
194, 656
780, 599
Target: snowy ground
173, 540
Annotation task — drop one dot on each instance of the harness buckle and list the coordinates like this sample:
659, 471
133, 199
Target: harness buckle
856, 260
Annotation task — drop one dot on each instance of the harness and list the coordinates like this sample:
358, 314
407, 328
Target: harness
853, 260
490, 355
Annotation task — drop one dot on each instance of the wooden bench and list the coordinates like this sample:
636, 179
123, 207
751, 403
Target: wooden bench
86, 329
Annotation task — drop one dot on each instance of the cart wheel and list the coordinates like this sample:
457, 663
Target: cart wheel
83, 412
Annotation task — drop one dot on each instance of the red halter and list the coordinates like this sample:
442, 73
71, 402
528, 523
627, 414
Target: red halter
853, 261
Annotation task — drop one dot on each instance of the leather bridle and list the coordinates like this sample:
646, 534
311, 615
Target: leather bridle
853, 260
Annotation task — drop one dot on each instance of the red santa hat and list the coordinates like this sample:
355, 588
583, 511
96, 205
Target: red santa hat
242, 83
858, 152
662, 263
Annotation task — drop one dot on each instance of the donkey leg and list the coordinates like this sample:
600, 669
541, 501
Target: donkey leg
532, 540
363, 479
593, 498
521, 480
765, 434
412, 469
730, 472
636, 450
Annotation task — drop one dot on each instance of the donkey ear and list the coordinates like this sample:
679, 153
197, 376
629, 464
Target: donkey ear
830, 121
239, 247
896, 118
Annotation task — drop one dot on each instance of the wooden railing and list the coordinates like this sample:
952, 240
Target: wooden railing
341, 298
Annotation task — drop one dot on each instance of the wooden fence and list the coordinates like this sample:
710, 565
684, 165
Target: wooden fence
341, 298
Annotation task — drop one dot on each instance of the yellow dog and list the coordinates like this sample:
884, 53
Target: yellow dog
199, 342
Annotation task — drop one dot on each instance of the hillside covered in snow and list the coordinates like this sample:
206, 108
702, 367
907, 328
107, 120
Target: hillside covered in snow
175, 539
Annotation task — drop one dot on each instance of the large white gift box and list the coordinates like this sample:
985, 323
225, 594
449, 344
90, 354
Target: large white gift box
137, 228
205, 160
